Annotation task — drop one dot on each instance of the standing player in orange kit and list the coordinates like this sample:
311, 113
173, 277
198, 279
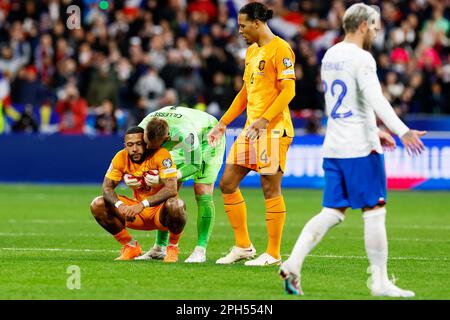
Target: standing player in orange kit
156, 208
268, 88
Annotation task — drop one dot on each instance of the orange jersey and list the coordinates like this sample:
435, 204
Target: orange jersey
264, 67
160, 160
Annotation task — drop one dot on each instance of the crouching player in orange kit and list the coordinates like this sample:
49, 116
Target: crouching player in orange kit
156, 208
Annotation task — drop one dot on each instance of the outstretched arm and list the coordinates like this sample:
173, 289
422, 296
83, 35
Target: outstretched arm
239, 104
410, 138
371, 90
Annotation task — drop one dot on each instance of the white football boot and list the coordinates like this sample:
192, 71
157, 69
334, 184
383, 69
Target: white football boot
237, 254
197, 256
156, 253
388, 289
263, 260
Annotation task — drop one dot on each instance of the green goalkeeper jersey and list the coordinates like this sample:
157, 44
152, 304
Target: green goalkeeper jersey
188, 130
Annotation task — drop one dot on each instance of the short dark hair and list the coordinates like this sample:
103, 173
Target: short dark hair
135, 129
157, 128
256, 11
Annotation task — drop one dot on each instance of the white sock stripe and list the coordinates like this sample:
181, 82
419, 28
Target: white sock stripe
334, 212
374, 213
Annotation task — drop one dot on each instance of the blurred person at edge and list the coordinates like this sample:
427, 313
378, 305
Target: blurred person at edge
72, 111
106, 121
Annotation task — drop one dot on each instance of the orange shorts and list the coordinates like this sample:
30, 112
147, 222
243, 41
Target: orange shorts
148, 219
266, 155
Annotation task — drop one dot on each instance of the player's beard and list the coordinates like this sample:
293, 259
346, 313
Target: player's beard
141, 159
367, 41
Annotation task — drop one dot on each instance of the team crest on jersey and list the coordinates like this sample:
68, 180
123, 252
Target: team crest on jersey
167, 162
262, 65
287, 62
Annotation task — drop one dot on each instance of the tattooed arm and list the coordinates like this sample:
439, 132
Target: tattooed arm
169, 190
109, 194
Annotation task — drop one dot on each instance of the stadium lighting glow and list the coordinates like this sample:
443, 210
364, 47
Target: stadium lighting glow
103, 5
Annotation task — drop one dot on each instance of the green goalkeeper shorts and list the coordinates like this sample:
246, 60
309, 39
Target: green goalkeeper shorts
212, 160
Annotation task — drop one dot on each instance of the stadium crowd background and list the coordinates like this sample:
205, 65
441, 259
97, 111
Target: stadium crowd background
136, 56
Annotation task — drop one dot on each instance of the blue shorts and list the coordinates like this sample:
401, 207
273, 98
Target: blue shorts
355, 182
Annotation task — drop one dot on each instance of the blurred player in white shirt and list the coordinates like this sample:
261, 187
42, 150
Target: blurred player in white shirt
353, 151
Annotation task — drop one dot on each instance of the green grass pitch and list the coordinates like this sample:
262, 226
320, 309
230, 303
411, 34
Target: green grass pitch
46, 229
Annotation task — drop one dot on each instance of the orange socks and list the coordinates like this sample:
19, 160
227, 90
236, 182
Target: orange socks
237, 214
173, 239
275, 218
123, 237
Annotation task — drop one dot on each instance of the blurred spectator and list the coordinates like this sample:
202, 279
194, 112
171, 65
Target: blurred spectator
105, 120
172, 69
5, 89
72, 110
27, 123
8, 63
394, 87
27, 89
103, 84
21, 49
220, 95
170, 98
150, 87
194, 50
157, 55
189, 86
43, 53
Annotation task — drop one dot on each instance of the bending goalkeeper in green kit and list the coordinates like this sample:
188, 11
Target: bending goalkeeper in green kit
195, 159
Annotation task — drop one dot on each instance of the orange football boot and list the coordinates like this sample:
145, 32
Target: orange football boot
129, 252
172, 254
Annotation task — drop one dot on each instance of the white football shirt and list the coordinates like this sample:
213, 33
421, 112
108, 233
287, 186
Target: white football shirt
348, 73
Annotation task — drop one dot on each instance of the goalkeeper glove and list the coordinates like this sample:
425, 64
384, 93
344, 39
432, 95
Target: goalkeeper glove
132, 181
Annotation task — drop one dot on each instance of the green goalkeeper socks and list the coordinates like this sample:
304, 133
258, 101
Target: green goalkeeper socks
205, 218
205, 222
162, 238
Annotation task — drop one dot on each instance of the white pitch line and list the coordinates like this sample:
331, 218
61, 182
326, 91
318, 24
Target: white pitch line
57, 249
326, 256
47, 221
391, 239
100, 235
221, 224
331, 256
24, 234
